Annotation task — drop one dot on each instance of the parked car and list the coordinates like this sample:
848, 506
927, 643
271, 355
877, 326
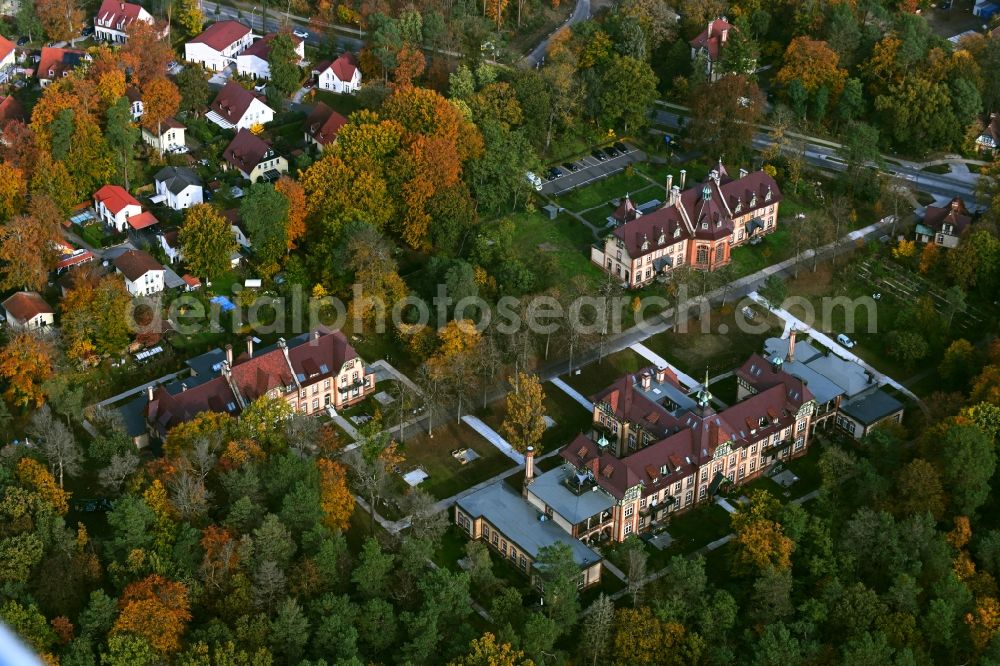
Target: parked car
598, 155
300, 33
260, 88
554, 173
621, 147
535, 181
22, 41
844, 340
308, 84
571, 167
180, 150
88, 31
611, 151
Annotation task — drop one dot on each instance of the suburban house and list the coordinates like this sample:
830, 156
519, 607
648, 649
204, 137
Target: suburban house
69, 256
253, 61
143, 274
989, 140
696, 227
178, 188
112, 21
236, 107
216, 48
847, 395
253, 157
340, 76
322, 126
710, 43
8, 59
134, 101
171, 136
56, 63
312, 372
512, 525
27, 309
119, 209
236, 224
944, 226
170, 246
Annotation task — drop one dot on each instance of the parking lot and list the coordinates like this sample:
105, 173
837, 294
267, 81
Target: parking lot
590, 169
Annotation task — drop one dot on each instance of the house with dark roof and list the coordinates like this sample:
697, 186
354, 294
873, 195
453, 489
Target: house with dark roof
254, 61
313, 372
322, 125
143, 274
253, 158
340, 76
55, 63
239, 108
120, 210
218, 45
862, 414
710, 43
169, 137
8, 59
989, 140
113, 19
945, 225
178, 188
28, 310
696, 227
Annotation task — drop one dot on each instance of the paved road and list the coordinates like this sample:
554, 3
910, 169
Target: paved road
590, 169
276, 20
537, 55
824, 155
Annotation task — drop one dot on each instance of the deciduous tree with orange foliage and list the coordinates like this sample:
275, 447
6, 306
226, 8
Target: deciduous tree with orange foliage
62, 19
524, 424
25, 362
26, 246
160, 100
295, 194
760, 539
410, 64
13, 188
336, 498
33, 474
146, 53
814, 64
486, 651
157, 609
641, 638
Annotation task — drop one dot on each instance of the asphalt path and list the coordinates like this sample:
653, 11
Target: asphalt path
537, 55
590, 169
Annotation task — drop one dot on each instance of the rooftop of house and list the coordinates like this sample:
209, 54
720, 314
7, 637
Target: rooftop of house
133, 264
955, 216
115, 13
343, 67
26, 305
262, 47
115, 198
6, 47
232, 102
246, 151
713, 37
569, 494
760, 372
324, 123
991, 131
54, 61
177, 179
520, 522
849, 376
221, 35
871, 407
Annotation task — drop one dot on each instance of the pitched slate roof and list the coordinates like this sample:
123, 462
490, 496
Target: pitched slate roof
246, 151
324, 123
232, 102
711, 38
221, 35
135, 263
57, 61
177, 179
955, 214
26, 305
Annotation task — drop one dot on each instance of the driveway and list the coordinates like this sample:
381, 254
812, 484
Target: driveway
537, 56
591, 169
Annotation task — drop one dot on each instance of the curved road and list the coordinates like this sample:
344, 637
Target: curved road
537, 56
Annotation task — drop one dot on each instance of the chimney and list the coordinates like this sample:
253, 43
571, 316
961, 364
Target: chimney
710, 28
684, 174
184, 386
675, 195
316, 334
791, 345
670, 183
229, 354
149, 392
744, 173
646, 380
529, 469
250, 346
661, 375
725, 33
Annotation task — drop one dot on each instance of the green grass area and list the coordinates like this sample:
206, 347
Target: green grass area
94, 234
598, 375
446, 475
565, 240
603, 191
599, 216
345, 105
726, 390
775, 247
657, 172
223, 284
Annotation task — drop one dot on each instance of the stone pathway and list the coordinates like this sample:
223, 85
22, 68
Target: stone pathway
721, 501
347, 426
573, 393
494, 438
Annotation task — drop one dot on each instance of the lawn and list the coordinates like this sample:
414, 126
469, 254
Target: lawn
570, 417
93, 233
603, 191
565, 240
698, 528
345, 105
775, 248
598, 375
446, 475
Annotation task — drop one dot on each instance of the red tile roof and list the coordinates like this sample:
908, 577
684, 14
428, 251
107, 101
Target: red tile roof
955, 214
232, 102
262, 47
324, 123
142, 220
114, 12
6, 47
191, 281
115, 198
246, 151
10, 109
344, 66
135, 263
71, 256
711, 38
222, 35
57, 61
26, 305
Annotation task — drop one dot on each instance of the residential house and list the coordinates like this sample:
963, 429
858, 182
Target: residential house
944, 226
696, 227
340, 76
236, 224
54, 63
143, 274
120, 210
170, 246
709, 44
847, 395
217, 47
253, 61
191, 283
517, 530
989, 140
113, 19
8, 59
69, 256
312, 373
236, 107
172, 136
253, 158
135, 102
178, 188
322, 126
28, 310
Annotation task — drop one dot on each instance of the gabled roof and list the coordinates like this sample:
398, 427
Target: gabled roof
232, 102
711, 38
221, 35
177, 179
120, 14
115, 198
955, 214
262, 47
6, 47
26, 305
324, 123
246, 151
135, 263
344, 66
58, 61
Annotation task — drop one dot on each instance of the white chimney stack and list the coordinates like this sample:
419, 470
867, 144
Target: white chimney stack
149, 392
684, 174
250, 346
744, 173
529, 469
229, 354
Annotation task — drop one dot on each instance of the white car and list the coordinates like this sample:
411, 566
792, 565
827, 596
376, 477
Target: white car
300, 33
180, 150
844, 340
535, 181
260, 88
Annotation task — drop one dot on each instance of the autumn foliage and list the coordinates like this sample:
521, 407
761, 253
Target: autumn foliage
31, 473
156, 609
336, 499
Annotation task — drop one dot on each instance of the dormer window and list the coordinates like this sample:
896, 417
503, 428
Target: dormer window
645, 245
753, 199
767, 195
704, 225
662, 239
739, 206
718, 223
677, 232
664, 470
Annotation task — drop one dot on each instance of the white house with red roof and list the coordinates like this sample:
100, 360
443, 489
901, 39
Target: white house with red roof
8, 57
112, 21
27, 309
253, 61
119, 209
235, 107
710, 43
322, 126
55, 63
340, 76
217, 47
